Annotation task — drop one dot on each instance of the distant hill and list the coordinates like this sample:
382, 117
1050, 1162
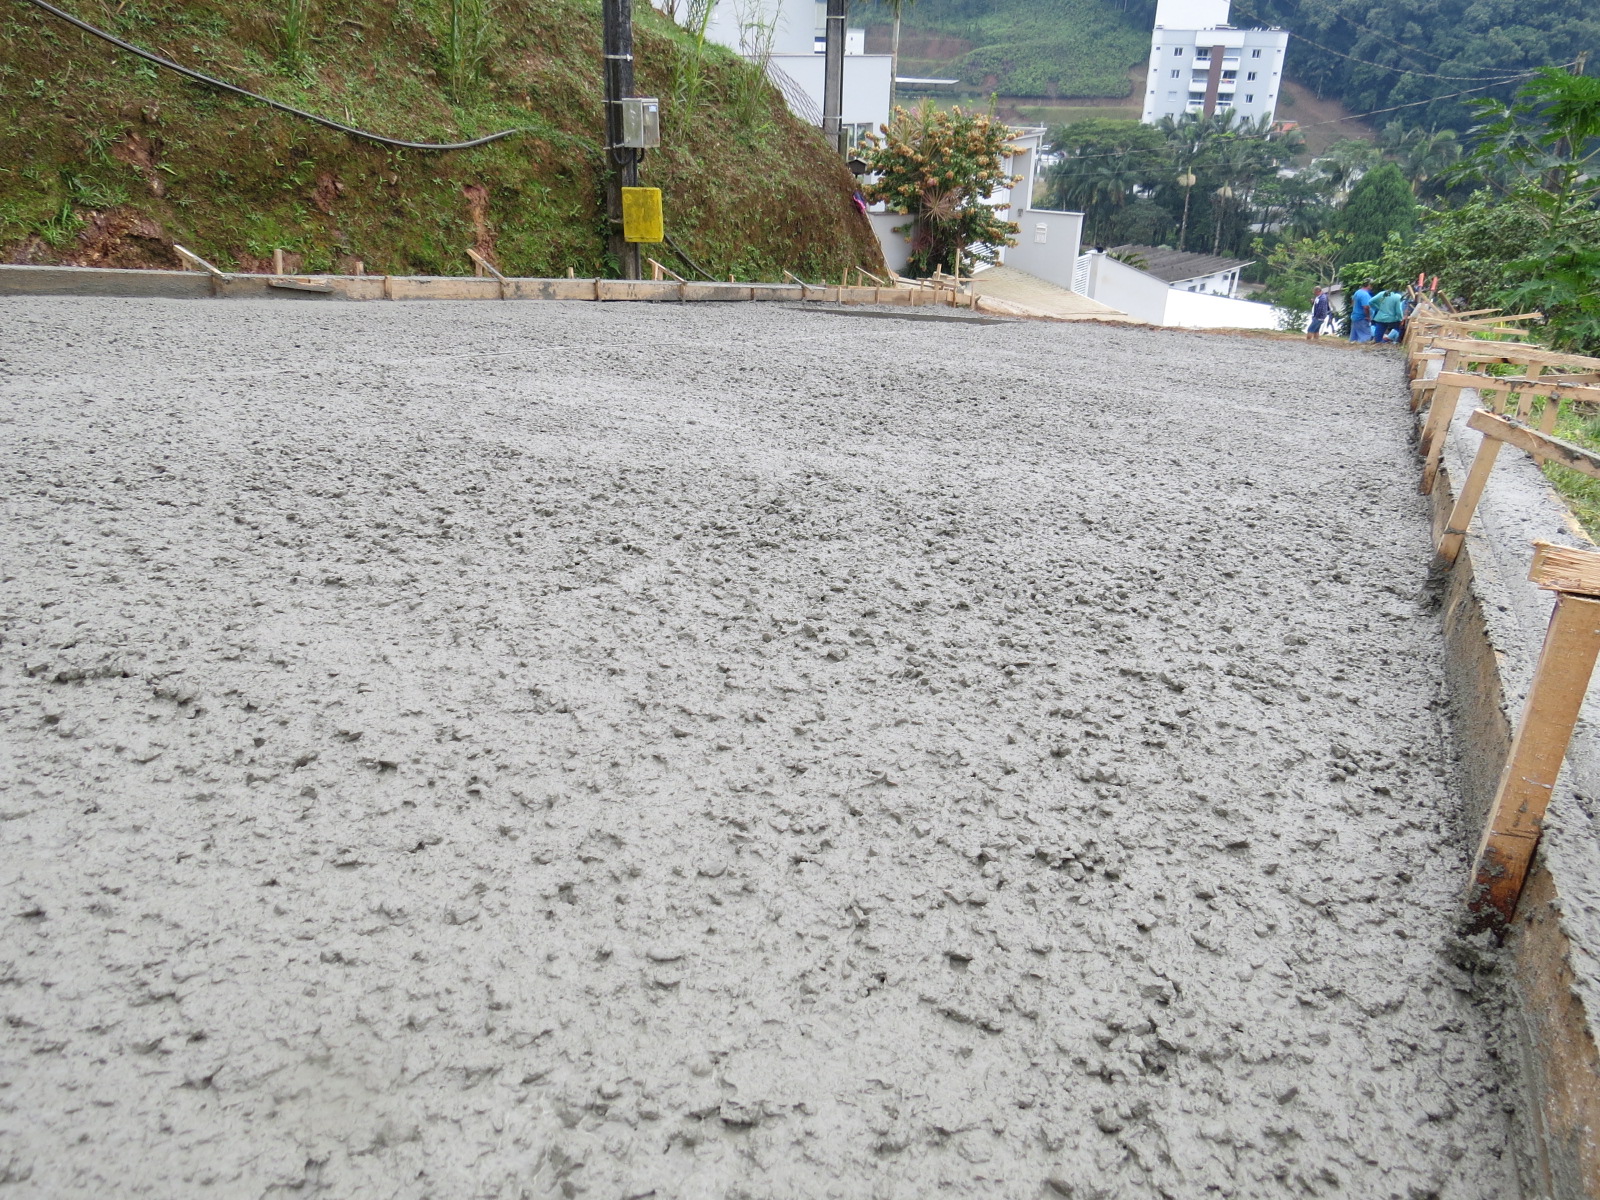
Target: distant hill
1045, 48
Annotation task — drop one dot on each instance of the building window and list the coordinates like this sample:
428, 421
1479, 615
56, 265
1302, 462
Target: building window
1177, 52
1255, 54
1230, 74
1250, 76
1249, 97
1175, 74
1172, 95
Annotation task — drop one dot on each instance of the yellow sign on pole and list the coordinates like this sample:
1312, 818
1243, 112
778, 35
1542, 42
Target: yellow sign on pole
641, 215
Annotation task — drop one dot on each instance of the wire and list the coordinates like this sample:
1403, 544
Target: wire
1367, 29
679, 251
398, 143
1403, 70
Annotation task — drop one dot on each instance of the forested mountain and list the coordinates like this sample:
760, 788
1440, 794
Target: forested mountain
1380, 55
1370, 56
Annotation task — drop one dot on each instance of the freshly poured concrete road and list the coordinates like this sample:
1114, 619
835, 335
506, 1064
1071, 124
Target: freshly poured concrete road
502, 750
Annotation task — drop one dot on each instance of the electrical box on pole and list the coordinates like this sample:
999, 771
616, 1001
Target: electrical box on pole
641, 122
641, 215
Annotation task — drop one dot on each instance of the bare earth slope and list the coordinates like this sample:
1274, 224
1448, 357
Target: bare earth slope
532, 749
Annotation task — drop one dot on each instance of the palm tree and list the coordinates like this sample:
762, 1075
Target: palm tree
1346, 162
1428, 155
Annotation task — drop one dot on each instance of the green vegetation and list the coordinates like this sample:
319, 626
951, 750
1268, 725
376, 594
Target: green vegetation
940, 168
1380, 205
1196, 183
1424, 48
104, 160
1530, 238
1046, 48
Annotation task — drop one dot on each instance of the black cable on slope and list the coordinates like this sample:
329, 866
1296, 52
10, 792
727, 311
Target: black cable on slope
678, 250
398, 143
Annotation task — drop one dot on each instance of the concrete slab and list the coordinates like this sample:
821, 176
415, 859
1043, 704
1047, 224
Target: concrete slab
1030, 295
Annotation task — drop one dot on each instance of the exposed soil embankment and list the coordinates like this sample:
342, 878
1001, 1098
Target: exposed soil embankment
491, 750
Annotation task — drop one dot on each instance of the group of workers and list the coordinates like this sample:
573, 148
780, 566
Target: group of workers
1374, 317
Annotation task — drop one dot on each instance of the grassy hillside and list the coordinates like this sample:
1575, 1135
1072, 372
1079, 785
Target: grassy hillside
105, 160
1046, 48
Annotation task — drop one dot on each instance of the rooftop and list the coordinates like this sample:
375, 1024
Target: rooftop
1177, 265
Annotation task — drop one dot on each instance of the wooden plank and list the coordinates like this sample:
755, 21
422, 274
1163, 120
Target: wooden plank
1516, 816
442, 287
482, 265
299, 285
1455, 527
550, 289
1574, 457
1476, 350
1546, 385
1565, 569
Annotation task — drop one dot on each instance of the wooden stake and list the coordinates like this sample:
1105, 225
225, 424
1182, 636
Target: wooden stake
1440, 413
1525, 400
1566, 662
1455, 528
277, 261
361, 267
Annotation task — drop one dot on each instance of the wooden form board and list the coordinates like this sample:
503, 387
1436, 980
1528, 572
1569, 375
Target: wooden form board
1476, 350
491, 287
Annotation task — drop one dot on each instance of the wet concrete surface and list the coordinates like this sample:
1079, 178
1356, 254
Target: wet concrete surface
484, 750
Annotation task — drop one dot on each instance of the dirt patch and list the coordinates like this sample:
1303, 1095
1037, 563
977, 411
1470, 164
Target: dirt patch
477, 198
139, 152
529, 749
121, 238
326, 191
1322, 121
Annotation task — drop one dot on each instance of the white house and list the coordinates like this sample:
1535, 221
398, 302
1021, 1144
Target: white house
1192, 291
787, 37
1208, 273
1201, 64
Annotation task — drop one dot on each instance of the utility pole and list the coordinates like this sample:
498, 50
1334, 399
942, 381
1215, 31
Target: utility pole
622, 163
833, 74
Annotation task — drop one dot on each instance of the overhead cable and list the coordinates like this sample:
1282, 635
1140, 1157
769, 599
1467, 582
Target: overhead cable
186, 72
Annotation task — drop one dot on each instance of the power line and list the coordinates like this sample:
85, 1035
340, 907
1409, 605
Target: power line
187, 73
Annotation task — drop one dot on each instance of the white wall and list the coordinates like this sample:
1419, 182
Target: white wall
866, 84
896, 246
1047, 244
1197, 310
1138, 293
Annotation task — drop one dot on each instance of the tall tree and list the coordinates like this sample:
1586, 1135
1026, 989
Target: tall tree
1379, 205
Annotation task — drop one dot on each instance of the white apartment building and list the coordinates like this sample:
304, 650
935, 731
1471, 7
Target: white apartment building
1201, 64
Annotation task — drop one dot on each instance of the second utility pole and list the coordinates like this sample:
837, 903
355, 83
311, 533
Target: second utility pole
833, 74
622, 163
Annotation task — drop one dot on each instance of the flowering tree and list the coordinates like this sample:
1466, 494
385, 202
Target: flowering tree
940, 168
